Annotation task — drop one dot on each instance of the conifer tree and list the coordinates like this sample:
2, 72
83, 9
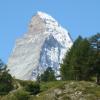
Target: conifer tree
48, 75
6, 80
95, 43
76, 65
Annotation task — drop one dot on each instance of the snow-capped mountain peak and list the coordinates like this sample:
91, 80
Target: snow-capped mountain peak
44, 45
45, 16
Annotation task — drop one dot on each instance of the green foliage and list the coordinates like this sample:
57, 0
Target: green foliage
48, 75
69, 90
21, 95
55, 90
6, 81
33, 88
95, 43
77, 62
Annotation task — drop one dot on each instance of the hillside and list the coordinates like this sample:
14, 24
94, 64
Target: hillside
58, 90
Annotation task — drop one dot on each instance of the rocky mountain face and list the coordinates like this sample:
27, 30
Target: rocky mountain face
44, 45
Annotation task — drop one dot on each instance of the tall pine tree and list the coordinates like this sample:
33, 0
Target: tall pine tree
47, 76
76, 65
95, 43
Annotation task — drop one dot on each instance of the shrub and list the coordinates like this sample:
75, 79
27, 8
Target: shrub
33, 88
21, 95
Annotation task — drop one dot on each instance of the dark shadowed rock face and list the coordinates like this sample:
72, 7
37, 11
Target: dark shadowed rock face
44, 45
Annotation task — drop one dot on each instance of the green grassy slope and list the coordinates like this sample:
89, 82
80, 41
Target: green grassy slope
58, 90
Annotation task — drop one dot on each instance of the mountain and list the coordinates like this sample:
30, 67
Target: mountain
44, 45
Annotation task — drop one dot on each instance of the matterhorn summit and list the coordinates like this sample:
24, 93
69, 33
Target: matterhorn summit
44, 45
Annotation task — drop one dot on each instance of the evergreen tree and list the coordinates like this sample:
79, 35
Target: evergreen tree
95, 43
6, 80
48, 75
76, 65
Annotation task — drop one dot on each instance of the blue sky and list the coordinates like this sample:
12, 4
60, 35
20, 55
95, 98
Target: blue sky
80, 17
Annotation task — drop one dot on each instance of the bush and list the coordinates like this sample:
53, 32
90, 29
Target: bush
33, 88
21, 95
